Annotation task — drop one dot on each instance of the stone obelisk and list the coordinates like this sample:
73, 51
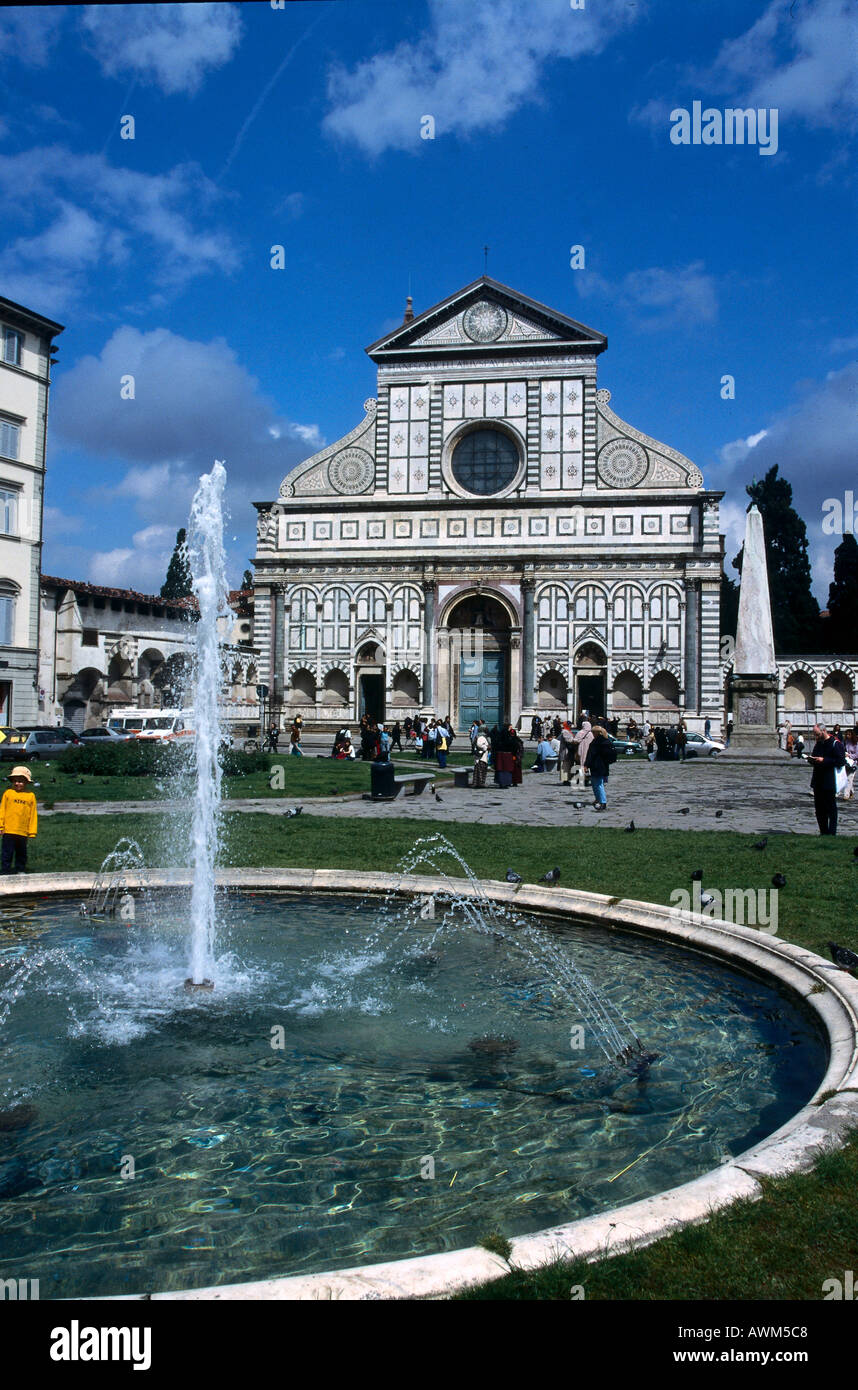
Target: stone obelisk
754, 682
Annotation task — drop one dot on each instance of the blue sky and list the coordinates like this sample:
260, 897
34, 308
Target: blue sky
301, 127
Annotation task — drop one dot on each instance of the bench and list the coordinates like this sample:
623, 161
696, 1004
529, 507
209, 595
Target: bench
397, 785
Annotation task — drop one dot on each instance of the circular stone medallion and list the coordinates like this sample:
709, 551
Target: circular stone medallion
623, 463
484, 322
352, 470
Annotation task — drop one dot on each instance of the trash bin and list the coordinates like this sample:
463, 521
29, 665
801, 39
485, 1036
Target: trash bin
462, 777
382, 779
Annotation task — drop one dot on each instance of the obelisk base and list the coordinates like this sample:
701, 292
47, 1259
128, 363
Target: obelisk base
755, 705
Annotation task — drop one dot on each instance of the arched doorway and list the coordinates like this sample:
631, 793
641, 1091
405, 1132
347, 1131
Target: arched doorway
369, 676
479, 628
591, 669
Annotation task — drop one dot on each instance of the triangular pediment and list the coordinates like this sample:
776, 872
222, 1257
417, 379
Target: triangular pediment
487, 316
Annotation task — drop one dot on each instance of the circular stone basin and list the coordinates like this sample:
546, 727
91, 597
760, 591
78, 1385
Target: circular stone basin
351, 1091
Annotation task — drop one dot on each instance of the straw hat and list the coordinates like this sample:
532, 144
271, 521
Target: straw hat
20, 772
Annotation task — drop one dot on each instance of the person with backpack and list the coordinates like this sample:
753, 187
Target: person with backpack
442, 736
600, 755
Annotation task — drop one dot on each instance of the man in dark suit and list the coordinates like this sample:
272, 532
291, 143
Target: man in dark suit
827, 757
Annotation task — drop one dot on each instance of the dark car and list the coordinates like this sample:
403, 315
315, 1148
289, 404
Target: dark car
44, 742
626, 745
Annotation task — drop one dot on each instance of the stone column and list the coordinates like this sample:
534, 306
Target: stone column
428, 638
692, 645
528, 684
277, 653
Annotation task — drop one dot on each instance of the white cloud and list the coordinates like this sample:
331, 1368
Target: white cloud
142, 566
738, 450
30, 34
292, 206
815, 445
172, 46
89, 211
796, 57
843, 345
57, 523
658, 297
474, 66
194, 402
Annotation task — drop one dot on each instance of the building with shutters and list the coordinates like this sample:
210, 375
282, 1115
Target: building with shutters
491, 539
26, 340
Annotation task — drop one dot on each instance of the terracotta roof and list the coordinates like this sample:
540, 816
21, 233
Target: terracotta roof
131, 595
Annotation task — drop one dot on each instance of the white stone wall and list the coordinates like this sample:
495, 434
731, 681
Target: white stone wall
23, 403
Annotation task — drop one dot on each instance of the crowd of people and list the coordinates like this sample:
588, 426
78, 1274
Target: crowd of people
582, 756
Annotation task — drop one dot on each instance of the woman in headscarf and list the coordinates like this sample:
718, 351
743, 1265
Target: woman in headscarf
582, 741
567, 753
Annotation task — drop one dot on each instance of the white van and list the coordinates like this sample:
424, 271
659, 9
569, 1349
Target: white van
161, 724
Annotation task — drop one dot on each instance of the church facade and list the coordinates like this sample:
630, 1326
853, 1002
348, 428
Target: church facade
491, 540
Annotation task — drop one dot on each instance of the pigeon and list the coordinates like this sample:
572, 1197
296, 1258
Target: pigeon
697, 876
335, 791
579, 805
438, 798
842, 956
760, 844
685, 811
630, 828
778, 881
718, 815
80, 781
512, 876
551, 877
294, 810
706, 899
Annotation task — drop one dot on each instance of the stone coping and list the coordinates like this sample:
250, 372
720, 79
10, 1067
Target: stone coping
820, 1126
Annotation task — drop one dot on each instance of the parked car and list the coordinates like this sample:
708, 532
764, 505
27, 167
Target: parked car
11, 742
626, 745
106, 735
44, 742
696, 746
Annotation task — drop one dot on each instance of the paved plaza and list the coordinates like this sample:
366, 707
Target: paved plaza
765, 798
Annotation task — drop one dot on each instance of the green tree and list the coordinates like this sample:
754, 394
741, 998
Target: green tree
729, 606
842, 624
179, 582
795, 612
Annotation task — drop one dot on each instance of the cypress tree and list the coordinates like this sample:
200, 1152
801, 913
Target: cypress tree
842, 625
179, 582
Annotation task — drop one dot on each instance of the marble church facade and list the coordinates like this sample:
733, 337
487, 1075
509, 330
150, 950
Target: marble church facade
491, 538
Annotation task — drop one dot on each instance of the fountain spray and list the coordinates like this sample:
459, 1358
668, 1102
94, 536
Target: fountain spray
208, 567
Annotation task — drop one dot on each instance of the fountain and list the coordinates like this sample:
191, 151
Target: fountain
353, 1049
208, 567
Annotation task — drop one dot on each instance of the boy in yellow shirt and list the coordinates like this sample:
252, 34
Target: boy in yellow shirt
18, 821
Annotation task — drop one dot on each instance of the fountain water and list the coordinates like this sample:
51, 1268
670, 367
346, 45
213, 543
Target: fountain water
607, 1025
208, 566
111, 882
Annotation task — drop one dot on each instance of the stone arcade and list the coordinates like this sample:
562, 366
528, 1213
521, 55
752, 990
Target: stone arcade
491, 539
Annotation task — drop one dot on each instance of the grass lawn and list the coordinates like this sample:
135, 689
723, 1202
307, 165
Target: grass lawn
304, 778
806, 1228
